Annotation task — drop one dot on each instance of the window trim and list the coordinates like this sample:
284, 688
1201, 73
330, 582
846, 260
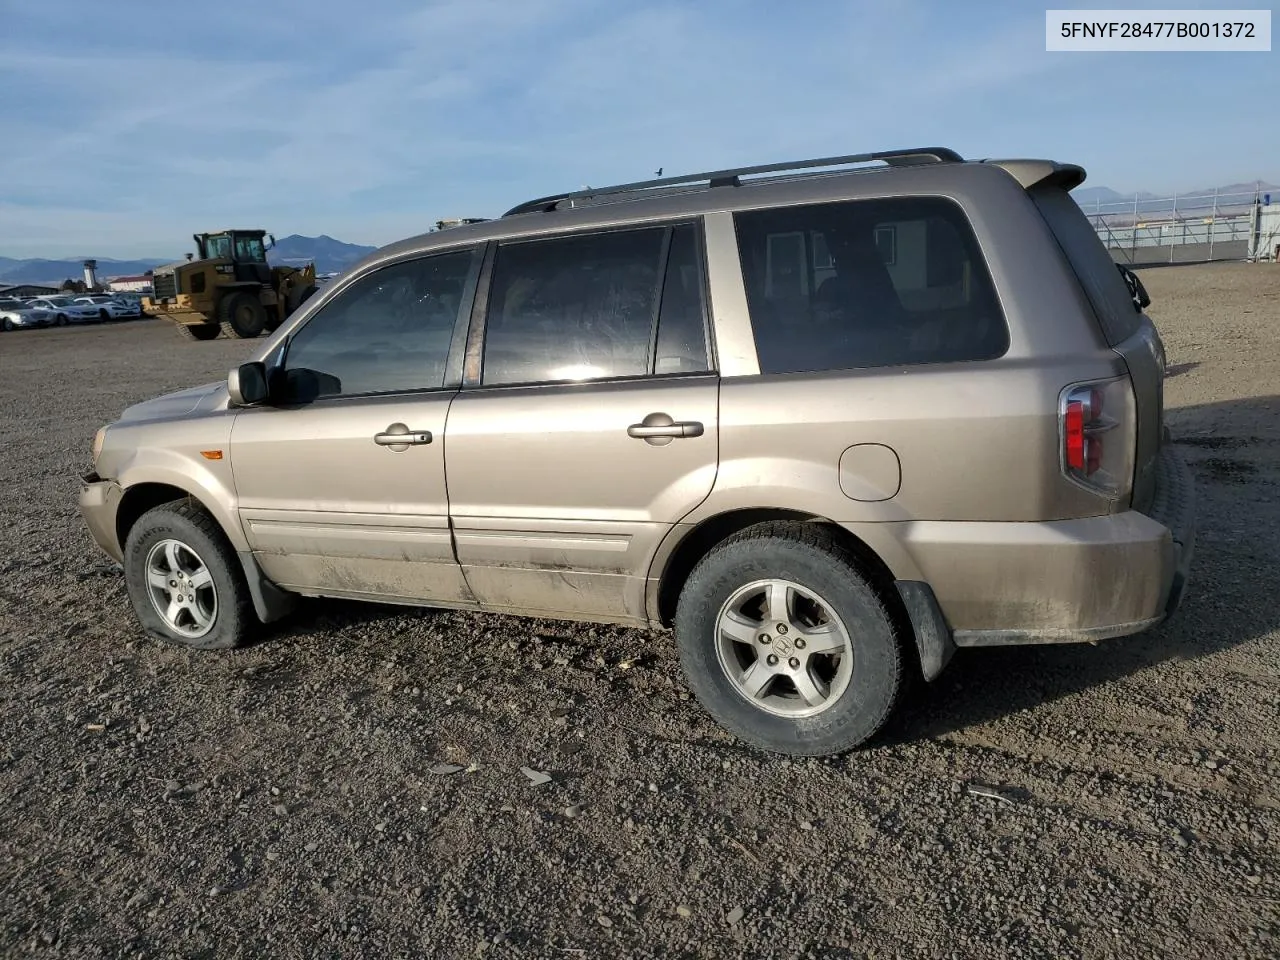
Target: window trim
457, 339
472, 379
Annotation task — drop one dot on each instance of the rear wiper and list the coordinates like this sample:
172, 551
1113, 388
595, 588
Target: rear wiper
1141, 299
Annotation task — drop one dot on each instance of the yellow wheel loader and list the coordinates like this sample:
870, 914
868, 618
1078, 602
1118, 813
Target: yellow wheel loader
229, 288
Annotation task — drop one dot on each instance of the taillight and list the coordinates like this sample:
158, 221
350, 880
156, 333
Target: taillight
1098, 428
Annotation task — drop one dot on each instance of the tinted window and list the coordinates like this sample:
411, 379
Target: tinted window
388, 332
573, 308
1092, 263
682, 327
867, 283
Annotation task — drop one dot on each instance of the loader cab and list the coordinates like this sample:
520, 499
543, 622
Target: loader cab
244, 250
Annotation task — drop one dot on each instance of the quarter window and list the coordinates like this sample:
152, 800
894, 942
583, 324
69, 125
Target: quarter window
867, 283
599, 306
389, 332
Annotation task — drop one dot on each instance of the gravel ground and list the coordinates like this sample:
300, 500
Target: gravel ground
288, 799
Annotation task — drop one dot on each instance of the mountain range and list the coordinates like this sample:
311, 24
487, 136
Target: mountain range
329, 256
1233, 197
333, 256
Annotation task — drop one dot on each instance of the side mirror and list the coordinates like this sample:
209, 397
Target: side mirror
247, 384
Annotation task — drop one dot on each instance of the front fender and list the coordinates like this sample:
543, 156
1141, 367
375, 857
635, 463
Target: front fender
209, 481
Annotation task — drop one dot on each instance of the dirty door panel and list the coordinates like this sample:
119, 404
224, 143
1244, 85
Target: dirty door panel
341, 482
593, 426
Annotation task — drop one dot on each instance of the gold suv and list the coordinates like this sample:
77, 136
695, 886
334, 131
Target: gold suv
827, 420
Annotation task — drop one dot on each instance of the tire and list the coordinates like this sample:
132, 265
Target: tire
221, 616
863, 683
8, 325
242, 315
60, 320
104, 316
199, 331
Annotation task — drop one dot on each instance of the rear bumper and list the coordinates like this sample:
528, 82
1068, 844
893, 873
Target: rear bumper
1174, 506
99, 502
1064, 581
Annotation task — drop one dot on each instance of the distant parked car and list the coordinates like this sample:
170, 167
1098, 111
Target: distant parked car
132, 302
65, 310
108, 307
15, 314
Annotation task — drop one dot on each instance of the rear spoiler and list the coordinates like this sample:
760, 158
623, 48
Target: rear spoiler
1042, 173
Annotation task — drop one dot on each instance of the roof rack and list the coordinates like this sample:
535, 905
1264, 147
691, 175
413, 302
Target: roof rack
732, 178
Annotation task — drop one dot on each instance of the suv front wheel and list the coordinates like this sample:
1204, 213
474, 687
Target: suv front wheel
184, 580
785, 643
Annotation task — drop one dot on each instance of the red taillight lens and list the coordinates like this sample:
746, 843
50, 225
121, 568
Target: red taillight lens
1075, 434
1091, 453
1083, 427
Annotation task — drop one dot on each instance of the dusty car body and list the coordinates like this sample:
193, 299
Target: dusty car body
828, 421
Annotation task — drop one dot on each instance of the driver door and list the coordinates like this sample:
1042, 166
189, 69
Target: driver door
340, 478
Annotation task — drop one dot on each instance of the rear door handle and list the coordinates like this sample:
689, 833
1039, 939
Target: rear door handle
399, 437
659, 429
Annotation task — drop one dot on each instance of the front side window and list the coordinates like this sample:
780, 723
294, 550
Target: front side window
389, 332
867, 283
626, 303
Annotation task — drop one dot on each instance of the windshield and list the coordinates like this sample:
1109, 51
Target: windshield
58, 301
250, 248
218, 248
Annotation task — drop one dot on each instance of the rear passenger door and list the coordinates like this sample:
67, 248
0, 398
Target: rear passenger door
587, 421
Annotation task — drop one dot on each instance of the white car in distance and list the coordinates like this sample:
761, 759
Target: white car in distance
108, 307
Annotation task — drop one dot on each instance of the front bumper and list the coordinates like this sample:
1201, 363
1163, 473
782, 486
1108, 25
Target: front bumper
1064, 581
99, 502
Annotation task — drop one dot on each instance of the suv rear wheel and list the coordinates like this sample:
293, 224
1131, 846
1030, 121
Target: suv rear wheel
785, 643
184, 580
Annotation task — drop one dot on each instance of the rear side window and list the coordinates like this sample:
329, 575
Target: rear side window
1102, 281
625, 303
867, 283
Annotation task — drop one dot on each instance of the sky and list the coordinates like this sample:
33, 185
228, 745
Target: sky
126, 127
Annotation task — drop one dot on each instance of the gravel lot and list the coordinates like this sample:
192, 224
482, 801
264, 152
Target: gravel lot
1118, 800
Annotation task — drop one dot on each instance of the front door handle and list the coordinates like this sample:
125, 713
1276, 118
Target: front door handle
399, 437
659, 429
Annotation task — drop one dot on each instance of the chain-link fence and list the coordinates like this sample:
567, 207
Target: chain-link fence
1182, 228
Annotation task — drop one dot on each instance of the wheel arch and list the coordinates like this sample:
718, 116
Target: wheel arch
137, 499
270, 603
704, 536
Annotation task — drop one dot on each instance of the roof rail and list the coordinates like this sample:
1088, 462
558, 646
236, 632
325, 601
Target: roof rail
732, 178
